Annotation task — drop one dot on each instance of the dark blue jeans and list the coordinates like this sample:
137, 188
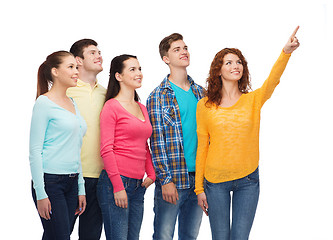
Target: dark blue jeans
62, 191
121, 223
245, 195
187, 211
91, 221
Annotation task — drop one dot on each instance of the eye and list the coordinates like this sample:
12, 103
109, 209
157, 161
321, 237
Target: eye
239, 62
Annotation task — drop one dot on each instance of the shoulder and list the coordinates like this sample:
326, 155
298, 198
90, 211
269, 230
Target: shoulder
111, 103
160, 89
42, 101
141, 105
202, 103
101, 88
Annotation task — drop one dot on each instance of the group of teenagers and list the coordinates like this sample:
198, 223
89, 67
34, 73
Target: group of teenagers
89, 152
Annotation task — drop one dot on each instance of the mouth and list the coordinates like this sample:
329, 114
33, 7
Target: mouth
98, 62
184, 58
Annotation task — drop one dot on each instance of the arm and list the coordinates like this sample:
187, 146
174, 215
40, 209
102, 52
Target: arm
157, 143
149, 170
273, 79
108, 121
202, 150
82, 193
39, 123
158, 146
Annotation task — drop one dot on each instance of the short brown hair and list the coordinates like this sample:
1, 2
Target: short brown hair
78, 47
166, 42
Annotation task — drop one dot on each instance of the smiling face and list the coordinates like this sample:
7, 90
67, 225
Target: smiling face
232, 68
131, 76
66, 74
92, 59
178, 55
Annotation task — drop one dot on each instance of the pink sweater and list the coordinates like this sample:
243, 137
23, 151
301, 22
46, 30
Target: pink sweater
124, 146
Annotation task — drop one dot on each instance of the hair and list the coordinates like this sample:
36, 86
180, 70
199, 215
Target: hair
117, 66
44, 76
78, 47
166, 43
214, 81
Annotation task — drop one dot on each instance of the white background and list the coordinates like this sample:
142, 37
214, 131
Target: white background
296, 128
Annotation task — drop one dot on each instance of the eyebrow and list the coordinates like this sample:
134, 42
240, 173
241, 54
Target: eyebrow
179, 47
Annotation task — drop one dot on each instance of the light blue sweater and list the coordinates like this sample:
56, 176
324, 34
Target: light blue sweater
55, 143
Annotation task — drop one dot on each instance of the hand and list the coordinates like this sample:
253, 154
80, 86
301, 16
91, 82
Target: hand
147, 182
82, 205
292, 43
120, 199
44, 208
170, 193
202, 202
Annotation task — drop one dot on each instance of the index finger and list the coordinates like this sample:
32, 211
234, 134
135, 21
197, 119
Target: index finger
295, 31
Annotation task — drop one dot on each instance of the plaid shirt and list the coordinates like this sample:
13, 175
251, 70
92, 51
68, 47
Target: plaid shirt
167, 138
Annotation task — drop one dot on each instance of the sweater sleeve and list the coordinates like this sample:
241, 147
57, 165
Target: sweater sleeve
149, 165
108, 121
39, 123
203, 145
266, 90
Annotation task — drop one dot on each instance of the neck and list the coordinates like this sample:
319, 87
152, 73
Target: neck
230, 90
58, 91
87, 76
125, 95
178, 76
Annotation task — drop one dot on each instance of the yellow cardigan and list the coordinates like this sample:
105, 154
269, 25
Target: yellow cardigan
228, 137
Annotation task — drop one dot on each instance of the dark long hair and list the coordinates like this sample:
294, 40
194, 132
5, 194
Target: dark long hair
117, 66
44, 76
214, 81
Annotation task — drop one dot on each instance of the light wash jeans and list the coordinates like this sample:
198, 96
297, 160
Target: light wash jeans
187, 210
121, 223
245, 195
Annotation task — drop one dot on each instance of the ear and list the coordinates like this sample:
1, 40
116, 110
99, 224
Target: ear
166, 59
54, 72
79, 61
118, 76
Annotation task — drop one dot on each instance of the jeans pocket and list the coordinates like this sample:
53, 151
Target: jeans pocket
253, 177
51, 178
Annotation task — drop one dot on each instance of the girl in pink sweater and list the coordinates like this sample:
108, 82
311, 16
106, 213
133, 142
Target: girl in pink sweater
125, 128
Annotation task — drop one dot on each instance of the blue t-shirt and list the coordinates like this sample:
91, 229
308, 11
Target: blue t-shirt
187, 103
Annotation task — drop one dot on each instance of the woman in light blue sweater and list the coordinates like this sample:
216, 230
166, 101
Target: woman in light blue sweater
56, 135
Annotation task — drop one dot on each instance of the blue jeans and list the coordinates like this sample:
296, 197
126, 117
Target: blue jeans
91, 221
62, 191
187, 210
121, 223
245, 195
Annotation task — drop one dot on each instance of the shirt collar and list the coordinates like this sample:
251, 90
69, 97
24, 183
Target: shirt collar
166, 82
81, 83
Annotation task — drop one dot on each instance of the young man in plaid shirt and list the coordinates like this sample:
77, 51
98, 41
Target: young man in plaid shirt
172, 111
